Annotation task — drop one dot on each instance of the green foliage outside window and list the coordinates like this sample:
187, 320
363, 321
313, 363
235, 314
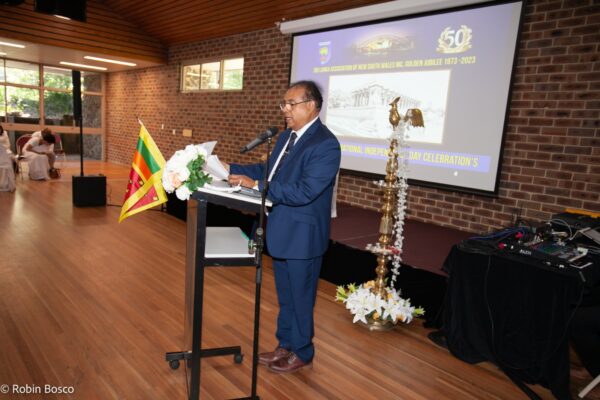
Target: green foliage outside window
58, 108
23, 102
233, 74
22, 73
57, 78
20, 91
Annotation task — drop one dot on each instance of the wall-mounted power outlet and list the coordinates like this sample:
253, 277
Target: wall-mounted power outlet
187, 133
174, 131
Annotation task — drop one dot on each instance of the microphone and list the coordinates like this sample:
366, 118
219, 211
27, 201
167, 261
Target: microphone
263, 137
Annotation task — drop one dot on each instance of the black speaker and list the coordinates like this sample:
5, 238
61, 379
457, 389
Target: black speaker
89, 191
73, 9
76, 95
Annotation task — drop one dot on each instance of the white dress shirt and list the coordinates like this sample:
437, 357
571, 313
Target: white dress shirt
299, 134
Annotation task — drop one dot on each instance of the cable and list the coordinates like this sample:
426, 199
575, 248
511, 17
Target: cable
564, 223
503, 234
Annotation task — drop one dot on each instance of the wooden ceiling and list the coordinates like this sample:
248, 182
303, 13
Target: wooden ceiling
141, 31
182, 21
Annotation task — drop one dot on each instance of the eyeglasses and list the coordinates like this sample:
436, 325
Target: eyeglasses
290, 104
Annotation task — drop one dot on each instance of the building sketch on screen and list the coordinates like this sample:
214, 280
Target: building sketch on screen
358, 105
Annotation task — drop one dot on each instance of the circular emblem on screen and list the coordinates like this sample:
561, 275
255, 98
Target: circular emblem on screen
455, 41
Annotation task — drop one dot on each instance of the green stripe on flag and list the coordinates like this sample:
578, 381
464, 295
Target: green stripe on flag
153, 166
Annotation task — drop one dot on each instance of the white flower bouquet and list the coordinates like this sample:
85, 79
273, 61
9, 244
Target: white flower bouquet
184, 173
364, 304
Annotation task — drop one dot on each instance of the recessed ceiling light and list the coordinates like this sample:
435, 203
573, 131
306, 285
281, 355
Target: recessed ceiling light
62, 17
20, 46
108, 60
82, 65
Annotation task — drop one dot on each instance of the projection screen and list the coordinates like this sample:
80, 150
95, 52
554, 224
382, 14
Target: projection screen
455, 66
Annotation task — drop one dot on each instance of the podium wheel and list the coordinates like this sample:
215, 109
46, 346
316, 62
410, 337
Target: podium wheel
174, 364
238, 358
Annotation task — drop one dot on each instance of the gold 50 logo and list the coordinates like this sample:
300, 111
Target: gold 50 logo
455, 41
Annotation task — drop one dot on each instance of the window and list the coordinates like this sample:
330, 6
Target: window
210, 75
33, 96
40, 94
23, 105
22, 73
91, 82
58, 97
91, 106
215, 75
191, 78
233, 74
2, 103
58, 108
58, 78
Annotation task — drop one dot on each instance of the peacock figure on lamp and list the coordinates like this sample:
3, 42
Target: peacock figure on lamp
375, 303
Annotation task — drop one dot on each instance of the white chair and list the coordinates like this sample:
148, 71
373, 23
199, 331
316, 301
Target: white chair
20, 143
589, 387
7, 173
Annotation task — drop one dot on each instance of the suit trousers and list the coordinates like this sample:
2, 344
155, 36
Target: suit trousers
296, 283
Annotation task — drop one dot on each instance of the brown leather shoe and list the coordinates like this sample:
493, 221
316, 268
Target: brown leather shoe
289, 364
272, 356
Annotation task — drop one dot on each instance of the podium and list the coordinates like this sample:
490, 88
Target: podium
214, 247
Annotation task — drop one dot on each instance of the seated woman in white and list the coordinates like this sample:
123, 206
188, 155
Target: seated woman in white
50, 154
7, 174
37, 152
5, 142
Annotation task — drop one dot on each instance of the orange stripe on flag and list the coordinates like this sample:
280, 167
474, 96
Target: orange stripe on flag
140, 162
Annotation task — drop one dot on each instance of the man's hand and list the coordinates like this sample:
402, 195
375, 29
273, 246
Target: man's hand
243, 180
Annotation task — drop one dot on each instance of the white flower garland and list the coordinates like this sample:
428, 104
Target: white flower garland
402, 186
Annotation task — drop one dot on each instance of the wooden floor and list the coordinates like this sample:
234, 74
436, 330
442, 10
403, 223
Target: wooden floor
88, 303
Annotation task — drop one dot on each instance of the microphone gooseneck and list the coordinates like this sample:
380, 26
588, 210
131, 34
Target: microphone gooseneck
263, 137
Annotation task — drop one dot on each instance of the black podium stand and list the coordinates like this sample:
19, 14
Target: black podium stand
210, 247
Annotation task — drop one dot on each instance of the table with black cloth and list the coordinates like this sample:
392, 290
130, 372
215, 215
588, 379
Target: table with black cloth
514, 311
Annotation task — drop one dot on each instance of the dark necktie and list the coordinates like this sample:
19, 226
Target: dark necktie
288, 148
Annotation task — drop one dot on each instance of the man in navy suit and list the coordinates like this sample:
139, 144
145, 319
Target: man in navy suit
304, 164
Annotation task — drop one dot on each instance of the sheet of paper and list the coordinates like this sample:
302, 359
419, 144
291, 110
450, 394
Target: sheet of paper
222, 186
213, 167
209, 147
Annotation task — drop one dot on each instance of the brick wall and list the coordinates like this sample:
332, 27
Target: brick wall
232, 118
552, 151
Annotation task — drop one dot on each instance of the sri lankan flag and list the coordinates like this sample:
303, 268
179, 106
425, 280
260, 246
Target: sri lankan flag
144, 189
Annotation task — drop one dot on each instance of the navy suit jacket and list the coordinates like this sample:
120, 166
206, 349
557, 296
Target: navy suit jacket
301, 191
